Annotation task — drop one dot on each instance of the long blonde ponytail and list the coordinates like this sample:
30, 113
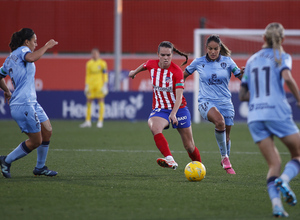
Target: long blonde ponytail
274, 35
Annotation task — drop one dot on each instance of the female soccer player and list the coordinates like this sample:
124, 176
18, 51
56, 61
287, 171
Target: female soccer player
25, 109
214, 100
169, 104
95, 87
270, 114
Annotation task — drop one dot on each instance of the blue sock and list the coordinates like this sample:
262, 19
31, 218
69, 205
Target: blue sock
221, 140
228, 147
42, 152
274, 193
291, 170
20, 151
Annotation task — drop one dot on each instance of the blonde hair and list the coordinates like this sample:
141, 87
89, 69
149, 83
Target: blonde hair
274, 34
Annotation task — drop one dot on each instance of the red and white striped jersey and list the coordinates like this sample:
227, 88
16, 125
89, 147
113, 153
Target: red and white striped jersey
165, 82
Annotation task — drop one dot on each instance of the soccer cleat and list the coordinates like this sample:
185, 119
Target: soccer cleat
225, 163
44, 171
99, 124
279, 212
288, 194
86, 124
5, 167
167, 163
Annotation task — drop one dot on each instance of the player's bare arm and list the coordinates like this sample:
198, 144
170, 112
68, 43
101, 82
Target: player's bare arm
34, 56
133, 73
291, 84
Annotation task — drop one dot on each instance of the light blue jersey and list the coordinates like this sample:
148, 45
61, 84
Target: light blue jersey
263, 79
22, 75
214, 77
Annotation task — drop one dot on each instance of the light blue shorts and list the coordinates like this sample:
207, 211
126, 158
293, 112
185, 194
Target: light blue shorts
183, 116
260, 130
225, 108
29, 117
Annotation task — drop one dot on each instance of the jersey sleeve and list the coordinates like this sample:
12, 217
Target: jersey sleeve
25, 50
105, 73
87, 72
286, 62
178, 79
244, 80
147, 64
190, 69
104, 67
234, 68
3, 72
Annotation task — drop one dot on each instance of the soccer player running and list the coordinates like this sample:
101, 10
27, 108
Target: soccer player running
214, 99
270, 114
169, 104
95, 87
24, 108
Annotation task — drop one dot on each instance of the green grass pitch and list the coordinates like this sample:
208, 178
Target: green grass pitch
111, 174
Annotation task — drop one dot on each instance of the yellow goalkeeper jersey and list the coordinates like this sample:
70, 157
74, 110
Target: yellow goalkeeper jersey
96, 73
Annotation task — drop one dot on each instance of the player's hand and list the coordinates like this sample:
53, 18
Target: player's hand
131, 74
242, 70
173, 119
242, 73
51, 43
7, 96
105, 89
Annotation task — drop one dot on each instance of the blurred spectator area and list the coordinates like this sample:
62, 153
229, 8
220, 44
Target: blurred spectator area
79, 25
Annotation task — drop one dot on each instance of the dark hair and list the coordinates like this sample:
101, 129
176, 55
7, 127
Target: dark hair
18, 38
168, 44
224, 50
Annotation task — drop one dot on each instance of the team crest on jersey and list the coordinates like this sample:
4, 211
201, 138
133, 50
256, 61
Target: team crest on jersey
168, 79
203, 65
223, 65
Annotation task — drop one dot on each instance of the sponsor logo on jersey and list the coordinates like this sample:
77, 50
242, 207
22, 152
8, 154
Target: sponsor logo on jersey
214, 80
163, 89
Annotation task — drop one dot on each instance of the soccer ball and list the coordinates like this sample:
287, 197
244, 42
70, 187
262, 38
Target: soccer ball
195, 171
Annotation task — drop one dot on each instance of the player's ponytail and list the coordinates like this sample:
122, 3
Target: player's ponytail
18, 38
274, 35
168, 44
224, 49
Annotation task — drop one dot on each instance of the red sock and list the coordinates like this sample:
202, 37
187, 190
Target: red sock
195, 156
162, 144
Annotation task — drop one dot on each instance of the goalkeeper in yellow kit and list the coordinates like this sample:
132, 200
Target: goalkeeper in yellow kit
95, 87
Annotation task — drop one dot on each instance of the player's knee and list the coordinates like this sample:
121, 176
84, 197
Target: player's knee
220, 124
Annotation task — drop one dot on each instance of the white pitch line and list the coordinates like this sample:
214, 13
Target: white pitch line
148, 151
